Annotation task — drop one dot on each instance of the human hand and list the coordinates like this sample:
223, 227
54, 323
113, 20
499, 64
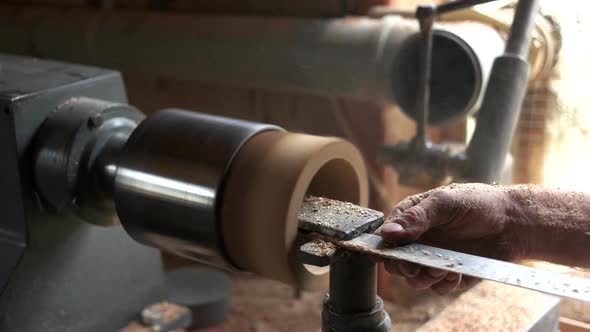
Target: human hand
470, 218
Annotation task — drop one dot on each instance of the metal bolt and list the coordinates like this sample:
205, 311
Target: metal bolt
95, 121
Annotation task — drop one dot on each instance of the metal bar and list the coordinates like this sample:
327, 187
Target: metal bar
380, 11
358, 58
522, 27
332, 57
339, 219
459, 4
425, 16
470, 265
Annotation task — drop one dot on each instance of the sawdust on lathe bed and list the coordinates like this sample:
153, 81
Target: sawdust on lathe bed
490, 306
261, 305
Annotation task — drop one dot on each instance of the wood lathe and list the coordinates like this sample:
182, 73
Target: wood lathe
217, 190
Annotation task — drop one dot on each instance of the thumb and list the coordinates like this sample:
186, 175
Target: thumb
393, 233
409, 225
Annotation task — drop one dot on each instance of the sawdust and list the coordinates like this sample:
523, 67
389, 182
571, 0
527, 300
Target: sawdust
137, 327
316, 205
553, 222
332, 214
260, 305
575, 309
322, 248
490, 307
550, 205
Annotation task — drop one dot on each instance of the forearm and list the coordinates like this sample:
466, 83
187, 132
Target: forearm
552, 225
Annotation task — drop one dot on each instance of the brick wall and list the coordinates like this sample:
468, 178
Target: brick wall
531, 140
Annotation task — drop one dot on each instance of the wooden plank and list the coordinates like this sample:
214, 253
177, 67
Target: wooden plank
572, 325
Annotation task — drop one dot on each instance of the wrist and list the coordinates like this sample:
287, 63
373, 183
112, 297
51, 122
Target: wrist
540, 229
520, 234
547, 224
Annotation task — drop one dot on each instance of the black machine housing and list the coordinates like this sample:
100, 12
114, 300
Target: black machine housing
55, 271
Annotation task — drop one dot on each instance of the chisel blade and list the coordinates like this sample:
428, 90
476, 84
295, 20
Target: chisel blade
480, 267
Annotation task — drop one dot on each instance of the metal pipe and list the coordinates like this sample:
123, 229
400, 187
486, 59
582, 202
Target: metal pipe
452, 52
317, 8
522, 26
352, 304
169, 180
502, 102
353, 283
355, 58
337, 57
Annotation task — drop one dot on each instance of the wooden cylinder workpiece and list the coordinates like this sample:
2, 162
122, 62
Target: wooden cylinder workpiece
263, 193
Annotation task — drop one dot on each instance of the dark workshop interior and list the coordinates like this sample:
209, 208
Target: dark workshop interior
229, 165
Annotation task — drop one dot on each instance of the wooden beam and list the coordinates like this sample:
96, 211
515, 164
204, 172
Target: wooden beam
572, 325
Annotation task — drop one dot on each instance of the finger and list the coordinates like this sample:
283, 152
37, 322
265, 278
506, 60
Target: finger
404, 269
399, 208
436, 273
427, 278
392, 266
409, 225
405, 204
377, 259
391, 232
409, 270
468, 282
448, 284
406, 227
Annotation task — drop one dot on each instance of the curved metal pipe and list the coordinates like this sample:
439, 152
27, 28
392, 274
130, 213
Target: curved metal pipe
356, 58
462, 58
